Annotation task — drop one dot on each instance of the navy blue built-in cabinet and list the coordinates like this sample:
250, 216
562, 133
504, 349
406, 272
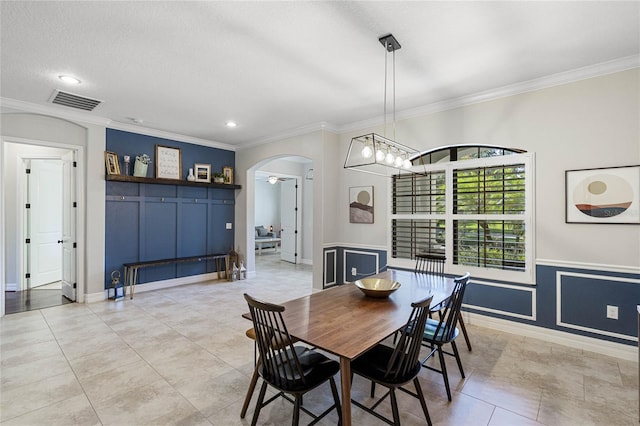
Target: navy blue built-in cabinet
148, 221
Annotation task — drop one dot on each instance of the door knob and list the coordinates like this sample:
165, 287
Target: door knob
60, 241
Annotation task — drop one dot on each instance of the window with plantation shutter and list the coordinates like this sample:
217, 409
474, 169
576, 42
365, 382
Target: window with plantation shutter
476, 210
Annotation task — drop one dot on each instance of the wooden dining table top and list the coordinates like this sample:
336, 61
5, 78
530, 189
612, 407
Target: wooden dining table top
343, 321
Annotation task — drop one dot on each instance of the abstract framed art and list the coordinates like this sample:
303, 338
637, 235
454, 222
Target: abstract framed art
361, 204
604, 195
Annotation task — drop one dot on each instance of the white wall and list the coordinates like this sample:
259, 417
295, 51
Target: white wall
586, 124
268, 200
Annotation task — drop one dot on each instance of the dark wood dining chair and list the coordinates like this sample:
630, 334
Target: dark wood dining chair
290, 369
438, 333
394, 367
251, 334
433, 263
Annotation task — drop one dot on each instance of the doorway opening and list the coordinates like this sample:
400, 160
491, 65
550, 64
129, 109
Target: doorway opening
40, 223
283, 210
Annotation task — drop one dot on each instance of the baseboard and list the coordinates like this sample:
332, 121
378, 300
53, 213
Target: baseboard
306, 261
617, 350
156, 285
11, 287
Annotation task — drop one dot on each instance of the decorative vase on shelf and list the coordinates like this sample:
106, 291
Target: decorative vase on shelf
191, 177
140, 169
127, 161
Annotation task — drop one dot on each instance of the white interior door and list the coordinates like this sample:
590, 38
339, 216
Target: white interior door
45, 222
68, 227
288, 220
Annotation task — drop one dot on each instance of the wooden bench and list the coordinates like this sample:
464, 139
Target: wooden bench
131, 269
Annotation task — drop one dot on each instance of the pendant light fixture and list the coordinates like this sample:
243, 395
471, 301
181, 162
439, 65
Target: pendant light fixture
368, 153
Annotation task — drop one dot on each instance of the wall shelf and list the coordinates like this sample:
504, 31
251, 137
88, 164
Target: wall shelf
136, 179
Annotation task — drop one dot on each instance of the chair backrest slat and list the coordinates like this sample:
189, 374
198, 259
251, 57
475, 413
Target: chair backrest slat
405, 354
451, 309
431, 263
278, 356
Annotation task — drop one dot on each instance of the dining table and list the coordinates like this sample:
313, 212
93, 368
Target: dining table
343, 321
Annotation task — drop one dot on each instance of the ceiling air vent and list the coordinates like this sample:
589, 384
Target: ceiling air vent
73, 101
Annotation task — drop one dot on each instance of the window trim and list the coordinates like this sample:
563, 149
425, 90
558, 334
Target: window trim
524, 277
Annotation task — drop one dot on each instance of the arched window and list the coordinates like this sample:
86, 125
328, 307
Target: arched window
463, 152
473, 203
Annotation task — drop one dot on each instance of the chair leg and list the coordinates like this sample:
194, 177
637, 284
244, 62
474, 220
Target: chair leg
464, 331
457, 355
336, 399
256, 413
252, 387
394, 408
423, 403
443, 367
373, 389
296, 411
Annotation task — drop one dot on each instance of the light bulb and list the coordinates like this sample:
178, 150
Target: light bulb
389, 158
367, 152
398, 161
379, 155
406, 163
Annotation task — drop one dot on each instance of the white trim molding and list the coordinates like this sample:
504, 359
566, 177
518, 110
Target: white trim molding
568, 264
334, 252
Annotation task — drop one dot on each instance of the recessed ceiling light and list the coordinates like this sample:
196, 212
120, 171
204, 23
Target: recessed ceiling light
69, 79
231, 124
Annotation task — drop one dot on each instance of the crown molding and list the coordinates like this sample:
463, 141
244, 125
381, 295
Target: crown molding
304, 130
148, 131
566, 77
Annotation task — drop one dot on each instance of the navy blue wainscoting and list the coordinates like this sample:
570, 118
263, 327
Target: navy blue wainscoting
339, 264
147, 221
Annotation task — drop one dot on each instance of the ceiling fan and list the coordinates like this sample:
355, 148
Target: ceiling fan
275, 179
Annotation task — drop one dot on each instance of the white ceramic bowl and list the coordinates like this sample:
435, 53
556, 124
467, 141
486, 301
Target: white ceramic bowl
377, 287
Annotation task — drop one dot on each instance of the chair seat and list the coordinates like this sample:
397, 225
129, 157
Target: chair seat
316, 369
430, 330
373, 366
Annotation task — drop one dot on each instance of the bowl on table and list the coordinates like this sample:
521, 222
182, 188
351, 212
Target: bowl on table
377, 287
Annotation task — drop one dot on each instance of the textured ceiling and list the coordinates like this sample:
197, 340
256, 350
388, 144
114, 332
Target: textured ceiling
277, 67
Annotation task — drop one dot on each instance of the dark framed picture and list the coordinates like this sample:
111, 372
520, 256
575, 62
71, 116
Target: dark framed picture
202, 172
111, 163
168, 162
603, 195
227, 172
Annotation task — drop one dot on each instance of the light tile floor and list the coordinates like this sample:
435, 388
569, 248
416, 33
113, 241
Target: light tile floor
180, 356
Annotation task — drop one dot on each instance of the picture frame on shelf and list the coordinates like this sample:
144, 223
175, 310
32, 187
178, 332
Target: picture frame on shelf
608, 195
111, 163
202, 172
227, 172
168, 162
